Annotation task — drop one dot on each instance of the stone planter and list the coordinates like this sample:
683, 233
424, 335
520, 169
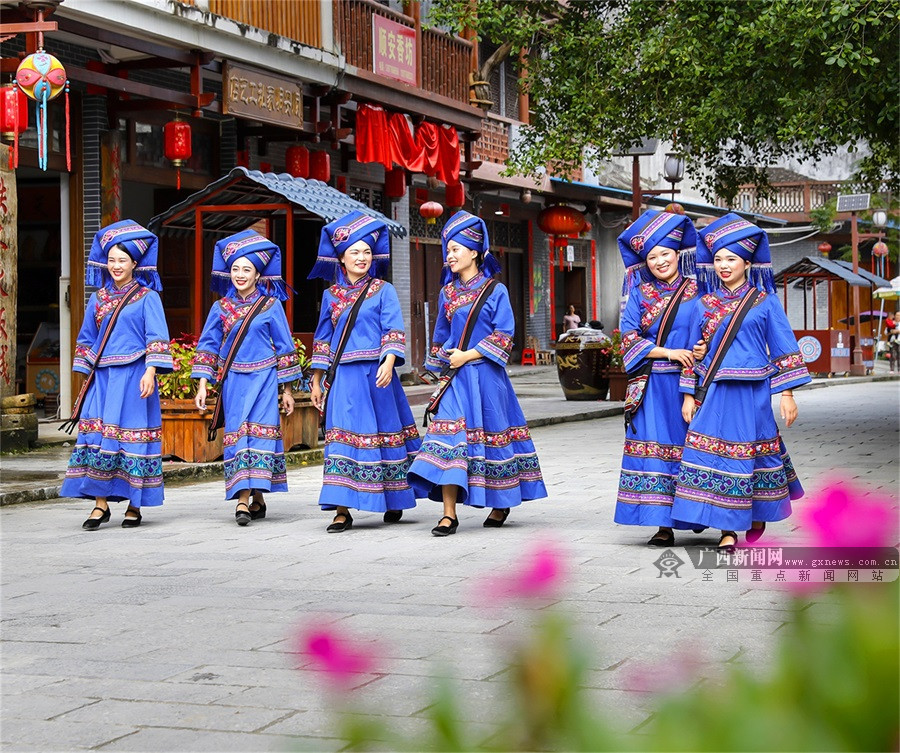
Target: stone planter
582, 369
184, 429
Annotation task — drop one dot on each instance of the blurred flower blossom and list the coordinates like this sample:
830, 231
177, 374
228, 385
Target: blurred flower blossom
539, 574
844, 515
334, 654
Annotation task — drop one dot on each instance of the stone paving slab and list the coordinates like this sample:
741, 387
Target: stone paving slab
179, 635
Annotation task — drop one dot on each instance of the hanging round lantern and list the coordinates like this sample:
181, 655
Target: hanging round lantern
455, 195
880, 249
395, 183
177, 145
13, 117
320, 166
42, 77
560, 220
431, 210
296, 160
586, 229
824, 248
242, 158
675, 208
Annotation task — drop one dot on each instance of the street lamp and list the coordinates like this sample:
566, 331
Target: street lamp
646, 148
673, 170
879, 218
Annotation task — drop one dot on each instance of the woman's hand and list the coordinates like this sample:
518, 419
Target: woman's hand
679, 355
148, 382
699, 350
315, 394
688, 408
789, 410
200, 399
385, 371
462, 357
287, 401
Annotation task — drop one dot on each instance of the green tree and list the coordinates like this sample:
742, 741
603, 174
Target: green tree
737, 84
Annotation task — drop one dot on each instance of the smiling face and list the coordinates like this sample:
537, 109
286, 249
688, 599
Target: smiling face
120, 266
357, 261
461, 260
244, 276
663, 263
731, 268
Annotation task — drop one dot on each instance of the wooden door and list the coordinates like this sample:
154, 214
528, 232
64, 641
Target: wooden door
425, 284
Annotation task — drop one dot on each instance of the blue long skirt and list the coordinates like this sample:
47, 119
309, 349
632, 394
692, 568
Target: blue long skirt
735, 468
254, 450
478, 440
370, 440
652, 456
118, 452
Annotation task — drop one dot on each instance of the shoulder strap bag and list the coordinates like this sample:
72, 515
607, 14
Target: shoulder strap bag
637, 384
69, 425
730, 333
448, 373
328, 379
217, 420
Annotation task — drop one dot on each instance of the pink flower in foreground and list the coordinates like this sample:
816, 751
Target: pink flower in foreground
663, 675
539, 575
844, 515
333, 654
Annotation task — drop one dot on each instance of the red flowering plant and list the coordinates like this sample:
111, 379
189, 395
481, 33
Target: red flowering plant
615, 350
178, 385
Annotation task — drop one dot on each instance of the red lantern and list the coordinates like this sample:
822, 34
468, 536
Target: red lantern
824, 248
395, 183
431, 210
13, 117
242, 158
586, 229
455, 195
560, 220
675, 208
880, 249
296, 160
177, 135
320, 166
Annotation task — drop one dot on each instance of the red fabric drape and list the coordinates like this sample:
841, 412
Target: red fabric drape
404, 149
373, 143
427, 141
449, 149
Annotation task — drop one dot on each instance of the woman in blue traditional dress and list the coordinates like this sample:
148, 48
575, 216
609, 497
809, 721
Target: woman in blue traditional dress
370, 434
736, 474
247, 266
117, 455
658, 249
478, 450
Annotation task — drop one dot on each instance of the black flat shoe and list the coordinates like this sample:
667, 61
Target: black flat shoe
131, 522
440, 530
724, 548
242, 517
346, 523
490, 522
259, 513
393, 516
92, 524
755, 534
662, 538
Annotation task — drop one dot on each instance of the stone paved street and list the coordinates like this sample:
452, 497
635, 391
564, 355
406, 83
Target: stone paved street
178, 636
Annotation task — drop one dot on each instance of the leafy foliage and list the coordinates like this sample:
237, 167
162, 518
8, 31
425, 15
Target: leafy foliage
736, 85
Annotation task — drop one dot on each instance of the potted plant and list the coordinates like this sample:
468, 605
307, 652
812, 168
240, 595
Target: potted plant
618, 377
185, 428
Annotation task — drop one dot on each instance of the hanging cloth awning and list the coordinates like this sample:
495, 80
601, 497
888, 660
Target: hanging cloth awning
242, 188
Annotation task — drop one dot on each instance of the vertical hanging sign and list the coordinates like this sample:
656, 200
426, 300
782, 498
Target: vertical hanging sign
393, 50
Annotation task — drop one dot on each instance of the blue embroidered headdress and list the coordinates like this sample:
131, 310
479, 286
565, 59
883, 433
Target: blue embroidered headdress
261, 252
655, 228
469, 231
138, 242
743, 239
339, 235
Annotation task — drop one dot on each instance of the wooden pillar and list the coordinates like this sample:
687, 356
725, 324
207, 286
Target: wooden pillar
8, 273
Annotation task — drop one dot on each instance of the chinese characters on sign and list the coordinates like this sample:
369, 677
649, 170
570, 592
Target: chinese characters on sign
262, 96
393, 50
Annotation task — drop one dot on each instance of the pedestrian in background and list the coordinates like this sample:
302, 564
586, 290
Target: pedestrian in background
736, 474
370, 433
571, 320
478, 450
658, 250
247, 349
122, 344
